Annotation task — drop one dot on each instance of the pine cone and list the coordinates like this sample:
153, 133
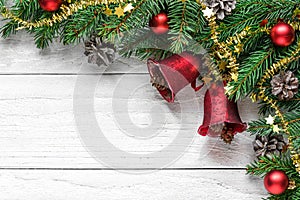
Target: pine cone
285, 85
221, 7
269, 145
227, 134
99, 52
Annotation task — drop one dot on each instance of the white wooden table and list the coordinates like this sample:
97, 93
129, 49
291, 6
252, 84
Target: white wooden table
42, 155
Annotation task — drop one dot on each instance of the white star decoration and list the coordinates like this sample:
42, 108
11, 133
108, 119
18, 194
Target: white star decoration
208, 12
276, 129
128, 8
270, 120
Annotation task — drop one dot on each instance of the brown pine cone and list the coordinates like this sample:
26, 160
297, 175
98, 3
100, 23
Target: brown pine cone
285, 85
269, 145
221, 7
227, 134
99, 52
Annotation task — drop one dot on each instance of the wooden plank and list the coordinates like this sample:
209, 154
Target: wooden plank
38, 126
163, 185
19, 55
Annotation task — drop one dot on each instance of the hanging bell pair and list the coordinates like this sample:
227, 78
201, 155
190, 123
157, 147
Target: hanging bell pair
221, 116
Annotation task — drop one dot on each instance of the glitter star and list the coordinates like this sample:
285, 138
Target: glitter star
108, 11
119, 11
208, 12
128, 8
270, 120
276, 129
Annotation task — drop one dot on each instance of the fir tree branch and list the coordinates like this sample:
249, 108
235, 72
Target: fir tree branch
250, 71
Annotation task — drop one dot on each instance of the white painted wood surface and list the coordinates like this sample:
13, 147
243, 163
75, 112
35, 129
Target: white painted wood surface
162, 185
38, 128
19, 55
38, 131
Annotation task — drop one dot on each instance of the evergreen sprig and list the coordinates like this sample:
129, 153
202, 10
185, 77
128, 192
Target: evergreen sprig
266, 164
252, 12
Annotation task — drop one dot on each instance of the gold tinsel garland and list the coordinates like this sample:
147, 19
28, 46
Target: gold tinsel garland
276, 67
64, 13
225, 58
222, 51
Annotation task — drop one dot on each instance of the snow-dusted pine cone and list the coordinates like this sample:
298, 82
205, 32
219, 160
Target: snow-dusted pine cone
285, 85
99, 52
221, 7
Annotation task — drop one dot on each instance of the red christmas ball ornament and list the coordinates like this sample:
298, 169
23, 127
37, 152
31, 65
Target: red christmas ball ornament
282, 34
276, 182
159, 23
50, 5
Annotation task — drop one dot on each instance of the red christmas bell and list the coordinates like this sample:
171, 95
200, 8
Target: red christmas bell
171, 75
221, 116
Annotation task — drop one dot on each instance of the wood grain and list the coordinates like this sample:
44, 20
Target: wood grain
161, 185
19, 55
42, 155
38, 128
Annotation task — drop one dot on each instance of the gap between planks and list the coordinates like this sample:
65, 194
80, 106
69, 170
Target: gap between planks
71, 74
128, 169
